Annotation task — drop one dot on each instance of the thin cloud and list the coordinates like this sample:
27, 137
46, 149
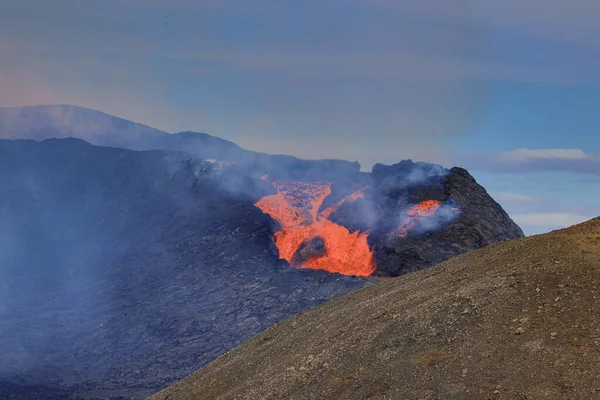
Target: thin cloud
520, 155
548, 220
534, 160
514, 197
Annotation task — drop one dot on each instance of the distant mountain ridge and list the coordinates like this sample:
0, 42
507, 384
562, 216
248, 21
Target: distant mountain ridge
98, 128
101, 129
62, 121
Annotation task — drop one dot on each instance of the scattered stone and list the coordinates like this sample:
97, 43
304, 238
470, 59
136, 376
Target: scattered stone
314, 247
519, 331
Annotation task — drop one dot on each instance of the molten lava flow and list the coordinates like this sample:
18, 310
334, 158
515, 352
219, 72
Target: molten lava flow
424, 209
296, 208
334, 248
416, 213
359, 194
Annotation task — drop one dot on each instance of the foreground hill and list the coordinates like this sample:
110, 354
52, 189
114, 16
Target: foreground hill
515, 320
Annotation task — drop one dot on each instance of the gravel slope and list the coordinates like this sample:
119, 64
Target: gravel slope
516, 320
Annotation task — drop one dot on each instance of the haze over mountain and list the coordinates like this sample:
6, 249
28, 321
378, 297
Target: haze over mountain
130, 256
515, 320
126, 270
95, 127
120, 271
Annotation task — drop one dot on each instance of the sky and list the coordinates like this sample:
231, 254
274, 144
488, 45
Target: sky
509, 90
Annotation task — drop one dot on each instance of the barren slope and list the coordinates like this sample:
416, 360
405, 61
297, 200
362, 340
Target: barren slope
516, 320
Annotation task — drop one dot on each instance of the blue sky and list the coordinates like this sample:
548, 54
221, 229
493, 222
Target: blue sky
506, 89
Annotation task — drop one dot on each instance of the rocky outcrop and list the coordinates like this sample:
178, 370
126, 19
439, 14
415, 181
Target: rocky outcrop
478, 220
312, 248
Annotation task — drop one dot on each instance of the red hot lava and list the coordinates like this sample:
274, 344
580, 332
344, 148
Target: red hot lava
416, 213
296, 208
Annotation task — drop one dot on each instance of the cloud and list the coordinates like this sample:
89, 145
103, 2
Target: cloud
387, 76
533, 160
514, 198
560, 154
574, 22
548, 220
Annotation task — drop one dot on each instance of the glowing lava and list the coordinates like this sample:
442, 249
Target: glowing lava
296, 208
416, 213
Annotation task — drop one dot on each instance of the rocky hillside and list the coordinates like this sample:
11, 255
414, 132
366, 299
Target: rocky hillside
480, 221
516, 320
122, 271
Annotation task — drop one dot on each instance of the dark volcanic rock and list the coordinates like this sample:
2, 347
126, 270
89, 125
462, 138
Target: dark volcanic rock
482, 222
122, 271
313, 248
393, 189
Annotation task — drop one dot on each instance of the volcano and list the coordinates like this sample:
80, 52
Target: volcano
397, 219
123, 270
298, 209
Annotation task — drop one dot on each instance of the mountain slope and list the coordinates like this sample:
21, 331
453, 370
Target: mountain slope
482, 220
62, 121
122, 271
98, 128
514, 320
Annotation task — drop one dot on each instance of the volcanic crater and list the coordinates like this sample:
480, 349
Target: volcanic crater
406, 210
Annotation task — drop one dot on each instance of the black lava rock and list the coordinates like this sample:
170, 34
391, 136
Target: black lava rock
312, 248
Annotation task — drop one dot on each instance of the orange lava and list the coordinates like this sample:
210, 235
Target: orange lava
296, 208
416, 213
